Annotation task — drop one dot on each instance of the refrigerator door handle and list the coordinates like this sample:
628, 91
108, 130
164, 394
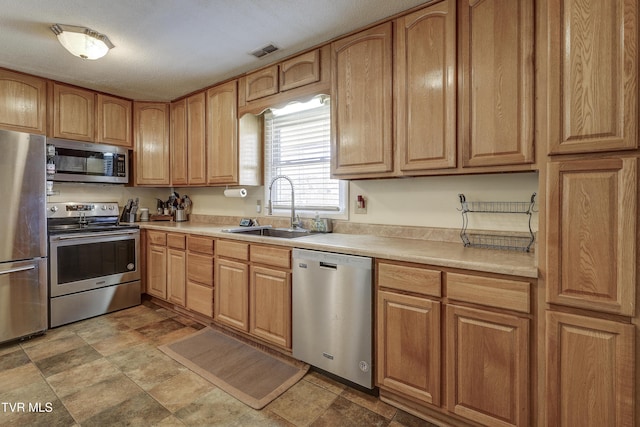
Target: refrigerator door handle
16, 270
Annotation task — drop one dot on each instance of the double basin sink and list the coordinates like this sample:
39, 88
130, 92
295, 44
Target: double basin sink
269, 231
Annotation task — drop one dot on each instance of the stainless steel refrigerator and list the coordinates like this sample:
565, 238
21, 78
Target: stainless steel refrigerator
23, 235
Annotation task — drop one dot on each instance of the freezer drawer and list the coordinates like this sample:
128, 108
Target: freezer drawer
23, 298
332, 313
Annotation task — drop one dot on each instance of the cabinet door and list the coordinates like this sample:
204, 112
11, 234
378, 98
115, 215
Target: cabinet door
361, 103
196, 142
222, 134
200, 298
426, 88
178, 142
591, 234
73, 113
113, 121
590, 366
176, 276
496, 82
270, 307
261, 83
299, 71
151, 123
200, 269
409, 346
231, 300
23, 102
157, 271
593, 75
488, 366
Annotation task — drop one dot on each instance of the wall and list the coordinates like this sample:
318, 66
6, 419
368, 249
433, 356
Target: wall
425, 201
85, 192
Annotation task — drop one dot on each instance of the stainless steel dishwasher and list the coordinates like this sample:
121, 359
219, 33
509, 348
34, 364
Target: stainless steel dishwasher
332, 313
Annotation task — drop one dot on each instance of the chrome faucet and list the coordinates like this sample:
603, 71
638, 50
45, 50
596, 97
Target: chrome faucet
295, 220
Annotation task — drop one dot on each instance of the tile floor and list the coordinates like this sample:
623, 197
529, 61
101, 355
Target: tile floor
108, 371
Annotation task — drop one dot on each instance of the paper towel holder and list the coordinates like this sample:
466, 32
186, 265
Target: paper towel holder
235, 192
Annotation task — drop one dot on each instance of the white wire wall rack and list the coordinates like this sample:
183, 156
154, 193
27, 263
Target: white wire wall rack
497, 241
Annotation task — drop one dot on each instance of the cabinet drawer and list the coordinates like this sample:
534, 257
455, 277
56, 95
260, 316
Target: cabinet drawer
410, 279
200, 269
157, 238
200, 298
203, 245
235, 250
176, 241
278, 257
492, 292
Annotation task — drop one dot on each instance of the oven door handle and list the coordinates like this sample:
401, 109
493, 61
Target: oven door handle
91, 235
17, 269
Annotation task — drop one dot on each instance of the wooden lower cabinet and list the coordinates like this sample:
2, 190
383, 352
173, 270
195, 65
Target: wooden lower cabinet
487, 366
590, 371
231, 299
200, 273
176, 269
409, 346
270, 305
157, 271
454, 346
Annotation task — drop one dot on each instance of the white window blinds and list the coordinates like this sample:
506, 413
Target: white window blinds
297, 144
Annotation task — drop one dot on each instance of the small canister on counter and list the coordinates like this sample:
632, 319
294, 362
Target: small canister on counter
144, 214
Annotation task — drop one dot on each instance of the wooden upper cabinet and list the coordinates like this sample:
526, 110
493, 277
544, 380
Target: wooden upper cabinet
590, 371
591, 234
222, 134
23, 102
72, 112
301, 70
261, 83
488, 366
178, 142
496, 96
426, 88
362, 104
593, 70
151, 124
196, 141
113, 121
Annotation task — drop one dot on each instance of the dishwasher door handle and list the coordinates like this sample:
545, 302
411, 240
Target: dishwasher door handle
328, 265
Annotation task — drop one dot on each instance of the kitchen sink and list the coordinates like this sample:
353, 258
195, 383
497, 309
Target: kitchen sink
267, 230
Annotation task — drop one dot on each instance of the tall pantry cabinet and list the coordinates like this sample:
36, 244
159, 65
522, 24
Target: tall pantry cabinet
592, 212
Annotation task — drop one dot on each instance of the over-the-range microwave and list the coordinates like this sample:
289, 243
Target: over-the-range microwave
77, 161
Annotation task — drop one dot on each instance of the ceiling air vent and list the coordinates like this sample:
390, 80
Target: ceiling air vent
259, 53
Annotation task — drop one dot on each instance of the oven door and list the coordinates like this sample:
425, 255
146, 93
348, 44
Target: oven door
92, 260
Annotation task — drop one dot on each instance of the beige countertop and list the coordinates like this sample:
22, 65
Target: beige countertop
442, 254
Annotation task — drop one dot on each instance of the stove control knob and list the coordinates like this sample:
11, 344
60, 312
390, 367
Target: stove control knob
104, 207
53, 209
111, 207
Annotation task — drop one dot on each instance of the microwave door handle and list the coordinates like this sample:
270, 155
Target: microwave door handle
17, 270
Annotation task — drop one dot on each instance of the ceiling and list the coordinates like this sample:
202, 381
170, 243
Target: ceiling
168, 48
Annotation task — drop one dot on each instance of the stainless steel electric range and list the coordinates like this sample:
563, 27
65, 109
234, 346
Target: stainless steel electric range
94, 261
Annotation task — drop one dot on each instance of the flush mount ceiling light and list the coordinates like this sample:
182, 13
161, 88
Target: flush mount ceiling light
82, 42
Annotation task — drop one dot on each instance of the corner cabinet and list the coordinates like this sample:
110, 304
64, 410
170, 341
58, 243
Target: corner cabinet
496, 74
362, 104
593, 68
151, 153
23, 102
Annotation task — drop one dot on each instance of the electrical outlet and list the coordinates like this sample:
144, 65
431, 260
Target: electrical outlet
259, 206
361, 205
